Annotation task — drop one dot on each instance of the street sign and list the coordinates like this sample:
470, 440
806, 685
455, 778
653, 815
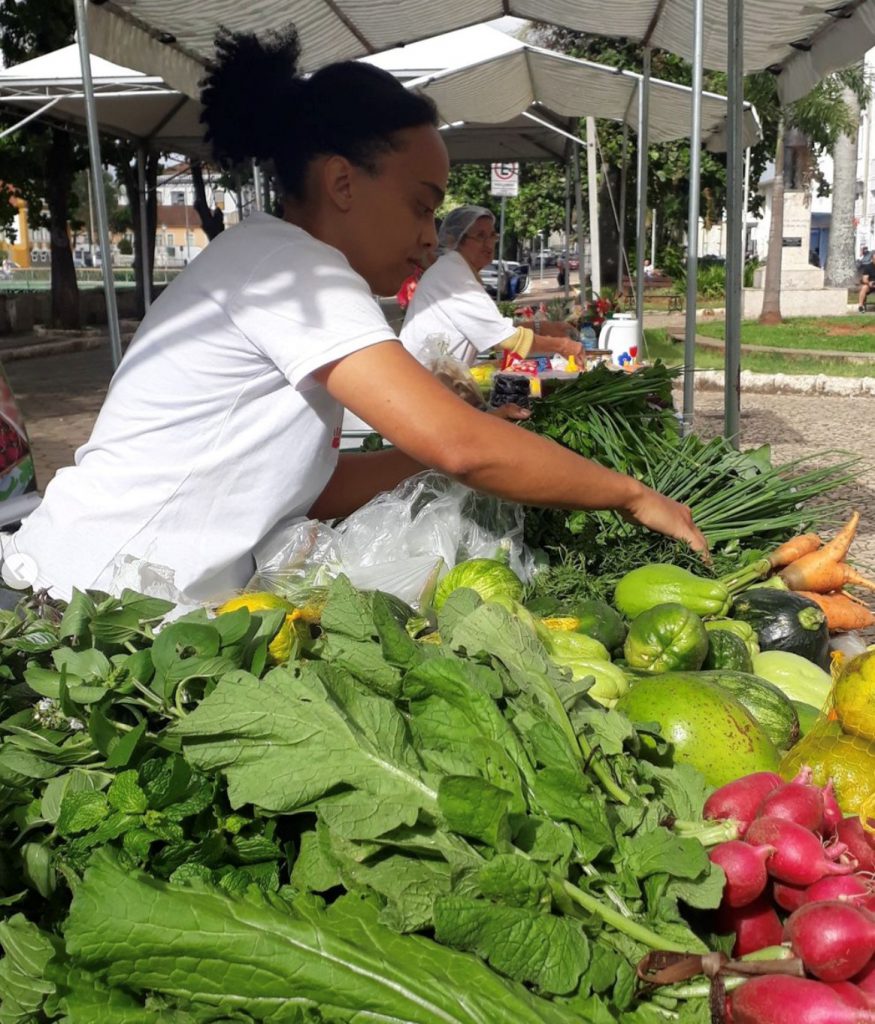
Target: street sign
505, 179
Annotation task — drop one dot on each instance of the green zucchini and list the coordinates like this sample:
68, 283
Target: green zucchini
726, 650
785, 622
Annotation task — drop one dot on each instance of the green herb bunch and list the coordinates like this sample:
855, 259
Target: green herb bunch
385, 828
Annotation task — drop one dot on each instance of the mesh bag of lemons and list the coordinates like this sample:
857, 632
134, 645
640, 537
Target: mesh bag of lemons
841, 743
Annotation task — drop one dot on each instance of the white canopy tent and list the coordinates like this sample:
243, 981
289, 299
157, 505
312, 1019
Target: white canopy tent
174, 38
130, 104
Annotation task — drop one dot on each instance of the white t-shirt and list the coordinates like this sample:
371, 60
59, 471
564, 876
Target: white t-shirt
202, 446
449, 300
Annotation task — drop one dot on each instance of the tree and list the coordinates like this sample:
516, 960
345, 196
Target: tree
40, 161
841, 265
823, 117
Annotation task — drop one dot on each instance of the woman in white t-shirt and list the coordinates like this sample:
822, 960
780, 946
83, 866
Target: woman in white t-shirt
450, 302
224, 416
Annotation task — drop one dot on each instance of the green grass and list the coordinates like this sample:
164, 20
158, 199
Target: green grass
835, 334
660, 346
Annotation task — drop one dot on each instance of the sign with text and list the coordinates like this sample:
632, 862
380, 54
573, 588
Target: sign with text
505, 179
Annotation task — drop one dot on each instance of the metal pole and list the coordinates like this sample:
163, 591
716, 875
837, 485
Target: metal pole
744, 207
693, 217
621, 244
501, 250
595, 241
256, 180
115, 338
643, 143
736, 203
567, 230
581, 240
145, 262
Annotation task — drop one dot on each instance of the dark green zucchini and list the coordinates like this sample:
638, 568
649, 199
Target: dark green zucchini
785, 622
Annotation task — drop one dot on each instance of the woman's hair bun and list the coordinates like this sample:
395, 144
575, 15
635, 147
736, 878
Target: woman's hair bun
251, 93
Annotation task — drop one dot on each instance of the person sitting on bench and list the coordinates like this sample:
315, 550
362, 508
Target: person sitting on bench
867, 282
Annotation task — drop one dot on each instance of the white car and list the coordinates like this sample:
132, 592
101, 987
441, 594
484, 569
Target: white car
515, 280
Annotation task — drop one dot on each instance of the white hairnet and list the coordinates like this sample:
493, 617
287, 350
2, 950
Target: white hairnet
457, 223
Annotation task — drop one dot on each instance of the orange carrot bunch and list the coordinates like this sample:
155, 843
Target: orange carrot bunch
819, 572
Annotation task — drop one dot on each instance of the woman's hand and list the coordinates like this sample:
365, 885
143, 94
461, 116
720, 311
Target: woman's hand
664, 515
510, 412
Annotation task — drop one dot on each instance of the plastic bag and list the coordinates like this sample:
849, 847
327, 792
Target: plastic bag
841, 743
450, 371
401, 542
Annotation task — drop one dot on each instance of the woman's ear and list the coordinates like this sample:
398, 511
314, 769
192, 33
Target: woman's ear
337, 181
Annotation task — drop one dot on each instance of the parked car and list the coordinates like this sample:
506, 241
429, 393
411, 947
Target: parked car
515, 281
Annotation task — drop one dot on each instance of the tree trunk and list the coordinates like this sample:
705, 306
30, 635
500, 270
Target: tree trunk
130, 179
841, 267
59, 181
213, 221
609, 189
771, 313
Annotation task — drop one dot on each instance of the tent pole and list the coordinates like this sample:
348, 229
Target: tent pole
500, 276
581, 241
567, 228
643, 143
736, 203
595, 242
256, 181
145, 262
621, 227
693, 217
115, 338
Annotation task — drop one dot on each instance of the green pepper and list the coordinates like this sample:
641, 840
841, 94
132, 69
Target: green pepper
658, 583
666, 638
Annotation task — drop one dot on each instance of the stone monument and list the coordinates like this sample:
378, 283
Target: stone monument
802, 289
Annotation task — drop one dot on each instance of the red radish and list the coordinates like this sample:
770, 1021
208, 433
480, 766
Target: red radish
860, 843
745, 869
866, 979
852, 995
797, 802
799, 856
790, 897
834, 940
740, 798
755, 926
853, 889
832, 813
782, 999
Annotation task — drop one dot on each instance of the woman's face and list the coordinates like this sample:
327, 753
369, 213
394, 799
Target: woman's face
478, 245
388, 229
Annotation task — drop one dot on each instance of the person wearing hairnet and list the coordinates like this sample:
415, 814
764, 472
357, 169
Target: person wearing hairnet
450, 300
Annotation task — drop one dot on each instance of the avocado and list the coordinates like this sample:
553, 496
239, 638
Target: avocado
704, 725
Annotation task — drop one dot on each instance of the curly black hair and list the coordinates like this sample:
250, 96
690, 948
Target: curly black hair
257, 106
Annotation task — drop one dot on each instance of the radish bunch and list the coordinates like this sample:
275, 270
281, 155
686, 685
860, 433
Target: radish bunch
798, 857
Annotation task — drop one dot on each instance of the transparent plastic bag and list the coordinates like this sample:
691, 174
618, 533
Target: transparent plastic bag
453, 373
400, 542
841, 744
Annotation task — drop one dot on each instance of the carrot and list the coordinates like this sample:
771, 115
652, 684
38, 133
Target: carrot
794, 548
813, 572
837, 549
843, 612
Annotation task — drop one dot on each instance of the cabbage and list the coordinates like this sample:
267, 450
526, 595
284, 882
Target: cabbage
488, 577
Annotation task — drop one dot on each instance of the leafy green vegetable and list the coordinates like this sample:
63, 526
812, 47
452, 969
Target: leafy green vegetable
192, 804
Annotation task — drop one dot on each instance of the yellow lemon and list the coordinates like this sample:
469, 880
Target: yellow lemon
847, 760
854, 696
284, 643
